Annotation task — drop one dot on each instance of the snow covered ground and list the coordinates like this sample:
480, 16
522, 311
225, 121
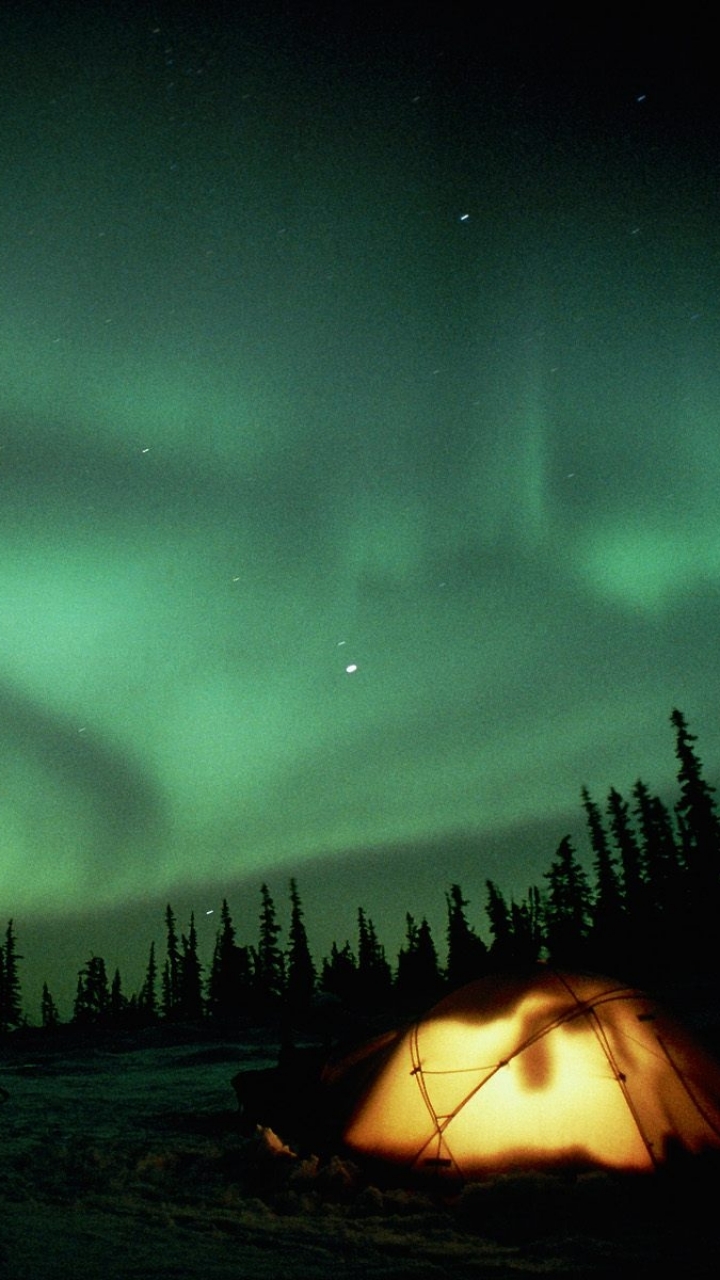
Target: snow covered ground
130, 1164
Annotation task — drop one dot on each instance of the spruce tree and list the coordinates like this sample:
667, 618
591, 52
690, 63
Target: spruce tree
467, 953
527, 928
516, 928
10, 998
49, 1017
428, 976
224, 944
664, 872
190, 1001
229, 991
339, 974
301, 977
92, 999
567, 908
374, 976
634, 882
118, 1002
607, 932
171, 970
502, 951
268, 960
404, 978
418, 981
147, 999
641, 934
167, 995
700, 842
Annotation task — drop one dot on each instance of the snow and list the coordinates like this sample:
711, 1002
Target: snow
130, 1164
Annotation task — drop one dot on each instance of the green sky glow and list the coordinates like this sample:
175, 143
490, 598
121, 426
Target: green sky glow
315, 356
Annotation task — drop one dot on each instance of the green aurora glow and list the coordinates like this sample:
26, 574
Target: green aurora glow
272, 406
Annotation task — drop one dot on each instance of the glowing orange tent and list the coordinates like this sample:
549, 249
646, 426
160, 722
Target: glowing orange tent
549, 1071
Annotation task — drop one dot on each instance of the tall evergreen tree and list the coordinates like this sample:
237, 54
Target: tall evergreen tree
147, 999
634, 882
171, 969
516, 928
10, 998
567, 908
229, 993
527, 927
427, 967
696, 797
636, 945
167, 997
418, 981
467, 953
301, 977
670, 944
218, 995
700, 843
190, 1001
502, 950
118, 1003
339, 974
49, 1017
374, 976
660, 855
607, 932
268, 966
92, 999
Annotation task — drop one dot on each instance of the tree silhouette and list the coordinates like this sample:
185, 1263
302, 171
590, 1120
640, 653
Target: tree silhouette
664, 872
502, 951
190, 1000
10, 996
567, 908
699, 828
268, 960
418, 982
171, 969
516, 929
526, 919
230, 981
339, 974
374, 977
49, 1017
607, 930
636, 942
118, 1004
92, 998
147, 999
301, 977
633, 877
467, 953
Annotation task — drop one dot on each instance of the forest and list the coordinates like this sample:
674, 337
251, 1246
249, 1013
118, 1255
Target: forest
646, 910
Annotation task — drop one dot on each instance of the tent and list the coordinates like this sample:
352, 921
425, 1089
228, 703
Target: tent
546, 1071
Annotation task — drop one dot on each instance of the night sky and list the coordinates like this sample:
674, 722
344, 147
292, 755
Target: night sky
359, 456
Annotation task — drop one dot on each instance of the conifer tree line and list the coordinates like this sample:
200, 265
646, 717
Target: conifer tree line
648, 908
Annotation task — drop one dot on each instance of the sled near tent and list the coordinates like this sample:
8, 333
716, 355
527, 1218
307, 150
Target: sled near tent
547, 1071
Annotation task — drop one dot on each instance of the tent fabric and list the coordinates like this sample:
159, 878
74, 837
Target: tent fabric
542, 1071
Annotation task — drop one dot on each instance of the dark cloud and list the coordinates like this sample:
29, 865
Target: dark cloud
111, 790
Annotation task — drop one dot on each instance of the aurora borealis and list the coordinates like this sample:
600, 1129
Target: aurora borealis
359, 466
